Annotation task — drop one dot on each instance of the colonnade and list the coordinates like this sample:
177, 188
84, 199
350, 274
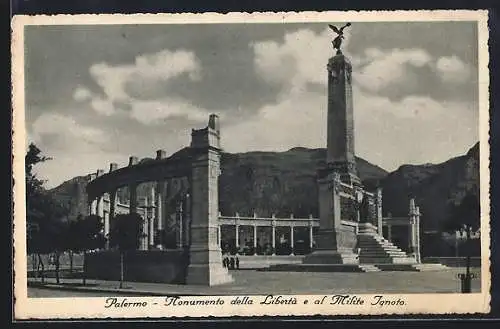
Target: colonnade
291, 224
151, 210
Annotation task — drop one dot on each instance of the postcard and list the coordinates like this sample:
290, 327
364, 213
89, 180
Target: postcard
307, 163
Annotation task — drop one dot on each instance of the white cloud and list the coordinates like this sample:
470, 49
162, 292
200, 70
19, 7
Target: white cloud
75, 148
146, 69
160, 66
382, 69
452, 69
81, 94
155, 111
103, 106
65, 127
298, 60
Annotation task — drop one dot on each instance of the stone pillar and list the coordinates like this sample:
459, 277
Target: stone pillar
112, 213
292, 242
132, 198
417, 230
100, 206
273, 235
151, 219
331, 246
180, 214
219, 235
311, 235
389, 232
145, 226
255, 239
159, 213
412, 229
205, 266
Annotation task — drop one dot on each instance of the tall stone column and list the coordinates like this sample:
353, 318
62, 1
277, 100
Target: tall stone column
273, 235
205, 266
151, 224
132, 198
112, 214
412, 229
100, 206
237, 237
311, 235
159, 213
292, 241
255, 239
389, 232
417, 228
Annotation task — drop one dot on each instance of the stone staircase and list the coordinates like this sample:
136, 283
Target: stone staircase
375, 249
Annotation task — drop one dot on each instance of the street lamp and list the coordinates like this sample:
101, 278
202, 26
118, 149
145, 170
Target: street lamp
465, 231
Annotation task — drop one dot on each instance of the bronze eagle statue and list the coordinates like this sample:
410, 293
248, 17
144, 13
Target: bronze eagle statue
337, 42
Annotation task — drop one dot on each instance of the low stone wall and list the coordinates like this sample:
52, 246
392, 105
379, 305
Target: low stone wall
454, 261
159, 266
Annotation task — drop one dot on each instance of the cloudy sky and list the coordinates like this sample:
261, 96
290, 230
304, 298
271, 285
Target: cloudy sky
98, 94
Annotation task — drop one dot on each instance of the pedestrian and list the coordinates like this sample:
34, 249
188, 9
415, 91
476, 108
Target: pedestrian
237, 262
231, 264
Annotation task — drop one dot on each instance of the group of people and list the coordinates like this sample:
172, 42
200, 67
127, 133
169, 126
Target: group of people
231, 262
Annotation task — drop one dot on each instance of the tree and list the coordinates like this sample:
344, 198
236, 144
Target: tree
466, 213
126, 234
86, 234
45, 228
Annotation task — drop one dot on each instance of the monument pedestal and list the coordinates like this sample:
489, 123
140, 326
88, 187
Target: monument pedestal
334, 247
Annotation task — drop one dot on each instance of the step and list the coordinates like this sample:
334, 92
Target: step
430, 267
369, 268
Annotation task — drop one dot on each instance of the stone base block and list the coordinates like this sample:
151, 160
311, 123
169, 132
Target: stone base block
331, 257
207, 274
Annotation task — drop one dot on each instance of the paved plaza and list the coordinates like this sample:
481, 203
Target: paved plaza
253, 282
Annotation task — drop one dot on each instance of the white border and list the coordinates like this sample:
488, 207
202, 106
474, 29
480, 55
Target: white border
43, 308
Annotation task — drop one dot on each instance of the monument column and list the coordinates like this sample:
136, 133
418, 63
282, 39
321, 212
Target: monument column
205, 266
335, 242
292, 242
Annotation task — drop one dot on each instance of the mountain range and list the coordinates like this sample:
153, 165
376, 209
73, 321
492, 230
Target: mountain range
284, 183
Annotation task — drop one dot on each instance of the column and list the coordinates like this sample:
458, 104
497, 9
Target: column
389, 232
291, 240
237, 237
205, 266
100, 212
151, 217
180, 215
219, 235
158, 213
255, 239
417, 229
412, 229
112, 211
311, 235
145, 226
273, 236
133, 198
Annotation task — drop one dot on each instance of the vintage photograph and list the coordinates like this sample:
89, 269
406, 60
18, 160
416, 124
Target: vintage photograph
255, 158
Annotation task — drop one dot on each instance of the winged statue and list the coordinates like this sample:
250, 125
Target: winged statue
337, 42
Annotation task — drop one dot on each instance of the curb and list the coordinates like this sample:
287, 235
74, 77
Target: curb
134, 292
